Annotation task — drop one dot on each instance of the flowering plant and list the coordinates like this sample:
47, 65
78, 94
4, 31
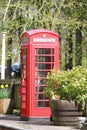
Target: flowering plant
5, 91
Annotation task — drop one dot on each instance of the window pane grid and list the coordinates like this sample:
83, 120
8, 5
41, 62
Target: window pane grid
44, 63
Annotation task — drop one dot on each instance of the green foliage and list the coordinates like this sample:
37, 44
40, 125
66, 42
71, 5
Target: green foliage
70, 85
5, 91
16, 111
63, 17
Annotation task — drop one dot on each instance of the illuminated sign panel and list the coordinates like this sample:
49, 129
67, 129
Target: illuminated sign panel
44, 39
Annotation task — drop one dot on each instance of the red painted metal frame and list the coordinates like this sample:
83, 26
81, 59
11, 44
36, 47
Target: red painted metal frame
31, 40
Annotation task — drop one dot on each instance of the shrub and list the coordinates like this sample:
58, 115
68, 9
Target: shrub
68, 85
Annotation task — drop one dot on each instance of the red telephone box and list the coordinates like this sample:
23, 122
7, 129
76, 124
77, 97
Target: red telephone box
39, 55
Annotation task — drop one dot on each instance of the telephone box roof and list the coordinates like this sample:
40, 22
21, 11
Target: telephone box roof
32, 32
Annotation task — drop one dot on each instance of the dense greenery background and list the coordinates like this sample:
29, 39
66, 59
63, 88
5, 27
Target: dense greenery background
66, 17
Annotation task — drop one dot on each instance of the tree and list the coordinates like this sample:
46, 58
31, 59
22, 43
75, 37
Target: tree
62, 16
75, 17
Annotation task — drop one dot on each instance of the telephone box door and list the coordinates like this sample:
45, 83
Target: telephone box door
43, 61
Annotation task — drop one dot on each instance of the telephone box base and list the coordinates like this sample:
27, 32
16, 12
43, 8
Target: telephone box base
22, 118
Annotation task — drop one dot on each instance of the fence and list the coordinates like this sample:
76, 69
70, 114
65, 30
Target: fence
15, 84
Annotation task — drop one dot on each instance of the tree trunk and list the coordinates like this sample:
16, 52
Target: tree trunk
79, 47
9, 50
68, 54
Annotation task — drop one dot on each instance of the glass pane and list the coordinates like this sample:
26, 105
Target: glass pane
42, 73
40, 104
44, 59
42, 81
43, 51
41, 88
41, 66
43, 104
24, 59
24, 51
